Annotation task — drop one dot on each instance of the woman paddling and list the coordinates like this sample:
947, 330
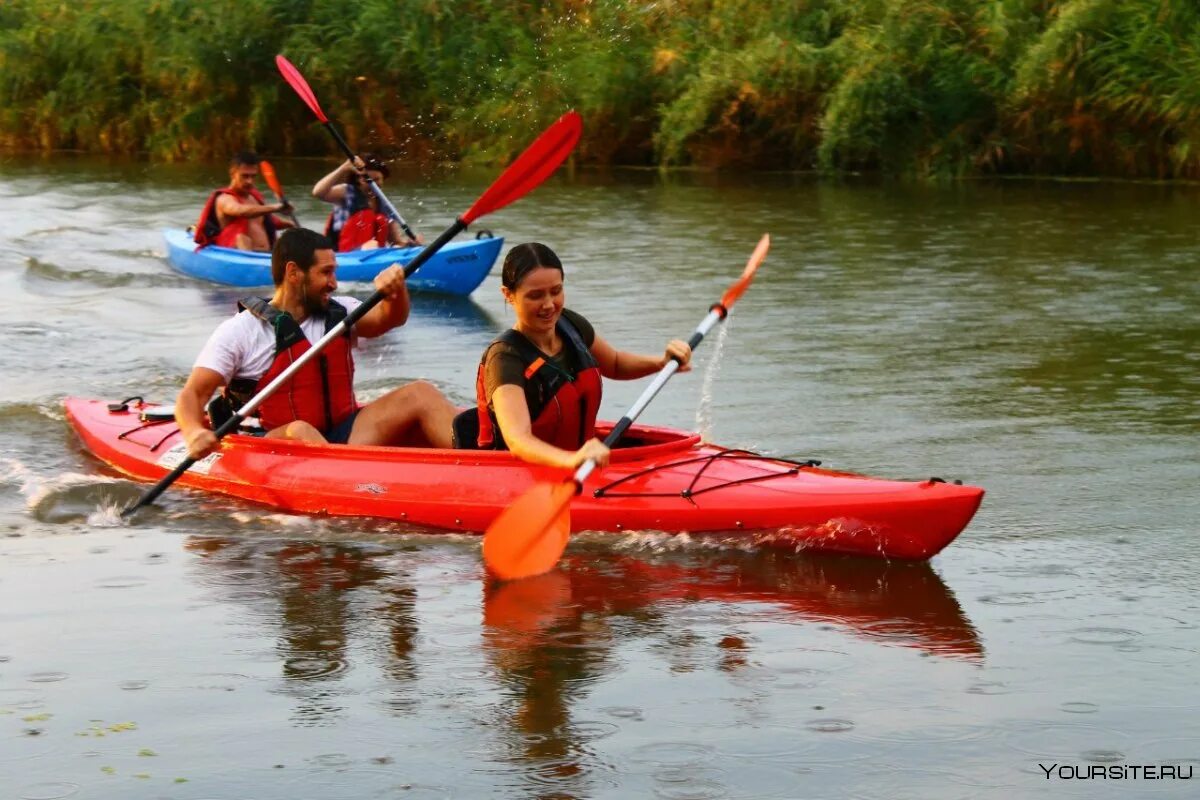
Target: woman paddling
356, 222
538, 387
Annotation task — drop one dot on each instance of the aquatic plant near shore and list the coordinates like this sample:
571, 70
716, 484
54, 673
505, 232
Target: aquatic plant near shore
924, 88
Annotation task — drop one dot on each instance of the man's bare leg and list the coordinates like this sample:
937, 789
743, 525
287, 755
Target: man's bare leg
298, 431
386, 420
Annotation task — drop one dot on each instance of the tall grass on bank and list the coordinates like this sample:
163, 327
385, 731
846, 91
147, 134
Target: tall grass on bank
912, 87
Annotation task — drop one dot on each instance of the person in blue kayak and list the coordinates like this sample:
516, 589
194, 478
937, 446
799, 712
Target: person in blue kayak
248, 350
538, 386
237, 215
357, 223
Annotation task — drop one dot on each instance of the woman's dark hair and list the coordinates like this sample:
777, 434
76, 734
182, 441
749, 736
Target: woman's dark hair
299, 245
524, 259
374, 164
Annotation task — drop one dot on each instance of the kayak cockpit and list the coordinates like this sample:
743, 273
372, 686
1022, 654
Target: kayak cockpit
152, 425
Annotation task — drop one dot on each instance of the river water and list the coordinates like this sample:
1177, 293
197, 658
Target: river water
1039, 339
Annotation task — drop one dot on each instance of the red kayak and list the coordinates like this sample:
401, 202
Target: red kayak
658, 479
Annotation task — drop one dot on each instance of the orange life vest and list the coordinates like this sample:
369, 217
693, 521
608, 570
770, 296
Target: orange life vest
208, 227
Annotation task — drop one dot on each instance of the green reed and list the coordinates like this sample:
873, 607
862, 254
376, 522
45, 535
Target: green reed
923, 88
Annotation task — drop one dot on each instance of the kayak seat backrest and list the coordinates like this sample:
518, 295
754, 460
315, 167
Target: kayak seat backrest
466, 430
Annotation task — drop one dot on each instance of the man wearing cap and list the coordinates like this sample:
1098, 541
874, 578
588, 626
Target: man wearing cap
356, 222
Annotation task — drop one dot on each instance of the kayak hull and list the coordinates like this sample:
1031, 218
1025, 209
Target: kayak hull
669, 481
458, 268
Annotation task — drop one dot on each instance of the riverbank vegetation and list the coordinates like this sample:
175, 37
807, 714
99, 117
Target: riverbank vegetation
922, 88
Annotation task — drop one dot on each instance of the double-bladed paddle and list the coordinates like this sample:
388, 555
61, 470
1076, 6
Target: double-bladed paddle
531, 168
297, 82
268, 173
530, 535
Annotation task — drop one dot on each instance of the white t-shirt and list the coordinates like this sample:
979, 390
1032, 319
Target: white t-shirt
243, 346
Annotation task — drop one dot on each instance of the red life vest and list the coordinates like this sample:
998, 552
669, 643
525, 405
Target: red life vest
322, 392
362, 226
208, 227
363, 223
562, 407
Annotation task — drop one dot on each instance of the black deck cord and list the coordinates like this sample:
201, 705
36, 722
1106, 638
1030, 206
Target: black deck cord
115, 408
688, 493
150, 423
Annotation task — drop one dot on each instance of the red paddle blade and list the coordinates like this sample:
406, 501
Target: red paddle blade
268, 173
529, 536
734, 292
532, 167
297, 82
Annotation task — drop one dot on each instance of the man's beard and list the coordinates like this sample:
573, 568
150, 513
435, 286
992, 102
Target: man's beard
317, 304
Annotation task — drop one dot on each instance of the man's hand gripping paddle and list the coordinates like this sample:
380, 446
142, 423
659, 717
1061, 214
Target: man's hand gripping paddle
268, 173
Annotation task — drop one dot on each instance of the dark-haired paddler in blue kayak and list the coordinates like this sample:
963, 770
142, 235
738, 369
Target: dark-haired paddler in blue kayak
356, 222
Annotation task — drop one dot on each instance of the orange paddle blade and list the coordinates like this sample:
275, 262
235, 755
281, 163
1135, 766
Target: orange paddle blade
756, 258
268, 173
532, 167
530, 535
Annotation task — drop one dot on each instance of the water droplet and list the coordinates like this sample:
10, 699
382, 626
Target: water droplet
47, 677
48, 791
829, 725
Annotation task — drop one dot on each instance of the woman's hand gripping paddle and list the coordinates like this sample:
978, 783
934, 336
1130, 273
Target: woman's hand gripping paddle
268, 173
532, 167
297, 82
529, 536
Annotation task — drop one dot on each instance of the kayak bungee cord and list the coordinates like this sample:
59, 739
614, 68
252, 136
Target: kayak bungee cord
691, 491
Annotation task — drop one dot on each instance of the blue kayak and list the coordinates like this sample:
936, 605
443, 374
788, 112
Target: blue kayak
458, 268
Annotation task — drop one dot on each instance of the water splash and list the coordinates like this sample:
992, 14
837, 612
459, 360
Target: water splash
72, 497
704, 410
108, 515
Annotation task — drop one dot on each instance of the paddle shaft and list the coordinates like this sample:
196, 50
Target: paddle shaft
291, 214
340, 329
383, 201
715, 315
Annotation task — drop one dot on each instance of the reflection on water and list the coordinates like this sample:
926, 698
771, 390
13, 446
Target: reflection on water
308, 588
1034, 337
555, 637
551, 637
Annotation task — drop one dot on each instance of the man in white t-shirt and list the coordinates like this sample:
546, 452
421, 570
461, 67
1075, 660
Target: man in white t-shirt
317, 404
